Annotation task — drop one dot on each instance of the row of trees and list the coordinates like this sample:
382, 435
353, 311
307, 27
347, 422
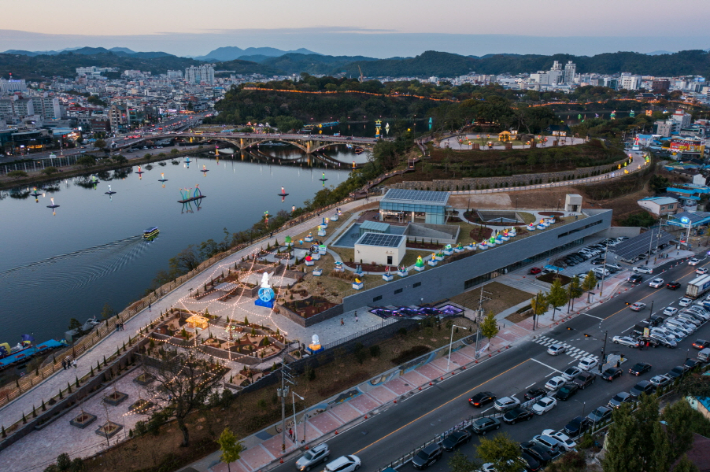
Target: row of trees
558, 295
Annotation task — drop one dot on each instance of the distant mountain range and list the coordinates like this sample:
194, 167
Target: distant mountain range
229, 53
270, 61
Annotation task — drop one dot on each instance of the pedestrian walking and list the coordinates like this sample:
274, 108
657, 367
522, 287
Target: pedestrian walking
64, 364
73, 362
290, 433
117, 327
150, 305
342, 322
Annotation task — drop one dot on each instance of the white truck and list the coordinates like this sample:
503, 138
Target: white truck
698, 286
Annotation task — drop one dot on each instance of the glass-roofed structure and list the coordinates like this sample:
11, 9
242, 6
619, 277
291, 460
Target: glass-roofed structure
415, 204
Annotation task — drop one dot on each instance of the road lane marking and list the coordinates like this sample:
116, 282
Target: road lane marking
592, 316
549, 367
531, 385
465, 394
627, 329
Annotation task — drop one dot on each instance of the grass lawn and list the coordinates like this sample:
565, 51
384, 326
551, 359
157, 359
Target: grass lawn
500, 297
527, 217
256, 410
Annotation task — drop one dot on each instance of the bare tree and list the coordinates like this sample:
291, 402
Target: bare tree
185, 381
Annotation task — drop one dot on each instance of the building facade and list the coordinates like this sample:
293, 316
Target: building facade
200, 74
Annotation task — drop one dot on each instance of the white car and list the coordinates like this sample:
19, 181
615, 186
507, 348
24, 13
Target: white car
564, 440
555, 383
544, 405
625, 340
656, 283
570, 373
680, 326
694, 261
556, 349
587, 363
670, 311
701, 270
344, 464
660, 380
685, 301
666, 333
643, 270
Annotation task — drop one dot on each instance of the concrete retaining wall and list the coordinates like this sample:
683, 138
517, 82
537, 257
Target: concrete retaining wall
305, 322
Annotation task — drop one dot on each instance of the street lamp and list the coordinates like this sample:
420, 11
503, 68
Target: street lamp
451, 341
295, 430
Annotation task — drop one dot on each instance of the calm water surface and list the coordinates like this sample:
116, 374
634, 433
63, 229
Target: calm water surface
65, 265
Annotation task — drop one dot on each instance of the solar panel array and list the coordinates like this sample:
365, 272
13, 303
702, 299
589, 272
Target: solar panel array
417, 196
379, 239
638, 245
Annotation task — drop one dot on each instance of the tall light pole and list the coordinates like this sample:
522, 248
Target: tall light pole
601, 363
601, 287
295, 430
451, 342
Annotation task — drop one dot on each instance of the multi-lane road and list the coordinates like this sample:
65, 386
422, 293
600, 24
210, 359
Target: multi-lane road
406, 425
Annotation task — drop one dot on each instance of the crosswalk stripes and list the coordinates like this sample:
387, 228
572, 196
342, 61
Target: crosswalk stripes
571, 351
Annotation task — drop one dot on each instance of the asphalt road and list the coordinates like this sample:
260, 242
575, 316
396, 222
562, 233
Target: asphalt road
410, 423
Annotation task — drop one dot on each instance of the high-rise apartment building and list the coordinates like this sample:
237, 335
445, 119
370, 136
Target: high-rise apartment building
570, 72
200, 74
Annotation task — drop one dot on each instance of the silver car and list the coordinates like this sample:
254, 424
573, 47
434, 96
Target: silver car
314, 456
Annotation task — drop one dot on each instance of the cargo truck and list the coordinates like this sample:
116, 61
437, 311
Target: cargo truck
698, 286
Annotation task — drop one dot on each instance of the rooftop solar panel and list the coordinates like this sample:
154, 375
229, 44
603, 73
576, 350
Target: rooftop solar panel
397, 194
638, 245
379, 239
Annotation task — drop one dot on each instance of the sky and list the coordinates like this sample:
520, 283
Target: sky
374, 28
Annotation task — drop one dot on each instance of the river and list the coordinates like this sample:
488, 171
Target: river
68, 262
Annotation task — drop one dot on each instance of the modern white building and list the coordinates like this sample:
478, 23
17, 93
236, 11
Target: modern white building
10, 86
46, 106
379, 248
660, 206
200, 74
16, 106
682, 118
174, 74
629, 82
570, 72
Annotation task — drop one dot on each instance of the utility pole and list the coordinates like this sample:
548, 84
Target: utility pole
601, 287
283, 393
601, 363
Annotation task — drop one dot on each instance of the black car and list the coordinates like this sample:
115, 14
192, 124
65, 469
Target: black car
483, 425
598, 261
674, 285
535, 393
427, 456
643, 386
611, 373
635, 279
566, 391
701, 344
531, 464
537, 451
640, 368
577, 426
518, 414
455, 439
676, 372
584, 380
691, 363
481, 398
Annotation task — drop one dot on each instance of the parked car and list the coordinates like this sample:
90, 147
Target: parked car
481, 398
344, 464
676, 372
544, 405
640, 368
643, 386
313, 457
643, 270
663, 340
619, 399
584, 380
535, 393
656, 283
535, 270
611, 373
626, 341
506, 403
555, 383
529, 462
518, 414
548, 442
456, 439
638, 306
571, 372
670, 311
427, 456
599, 414
660, 380
483, 425
587, 363
556, 349
538, 452
701, 344
565, 443
577, 426
566, 391
691, 363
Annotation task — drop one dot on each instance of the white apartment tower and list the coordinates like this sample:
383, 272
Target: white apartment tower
570, 72
200, 74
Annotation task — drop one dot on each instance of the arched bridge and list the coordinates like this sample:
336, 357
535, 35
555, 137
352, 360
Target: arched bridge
306, 142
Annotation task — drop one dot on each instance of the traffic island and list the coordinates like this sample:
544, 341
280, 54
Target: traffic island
83, 420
